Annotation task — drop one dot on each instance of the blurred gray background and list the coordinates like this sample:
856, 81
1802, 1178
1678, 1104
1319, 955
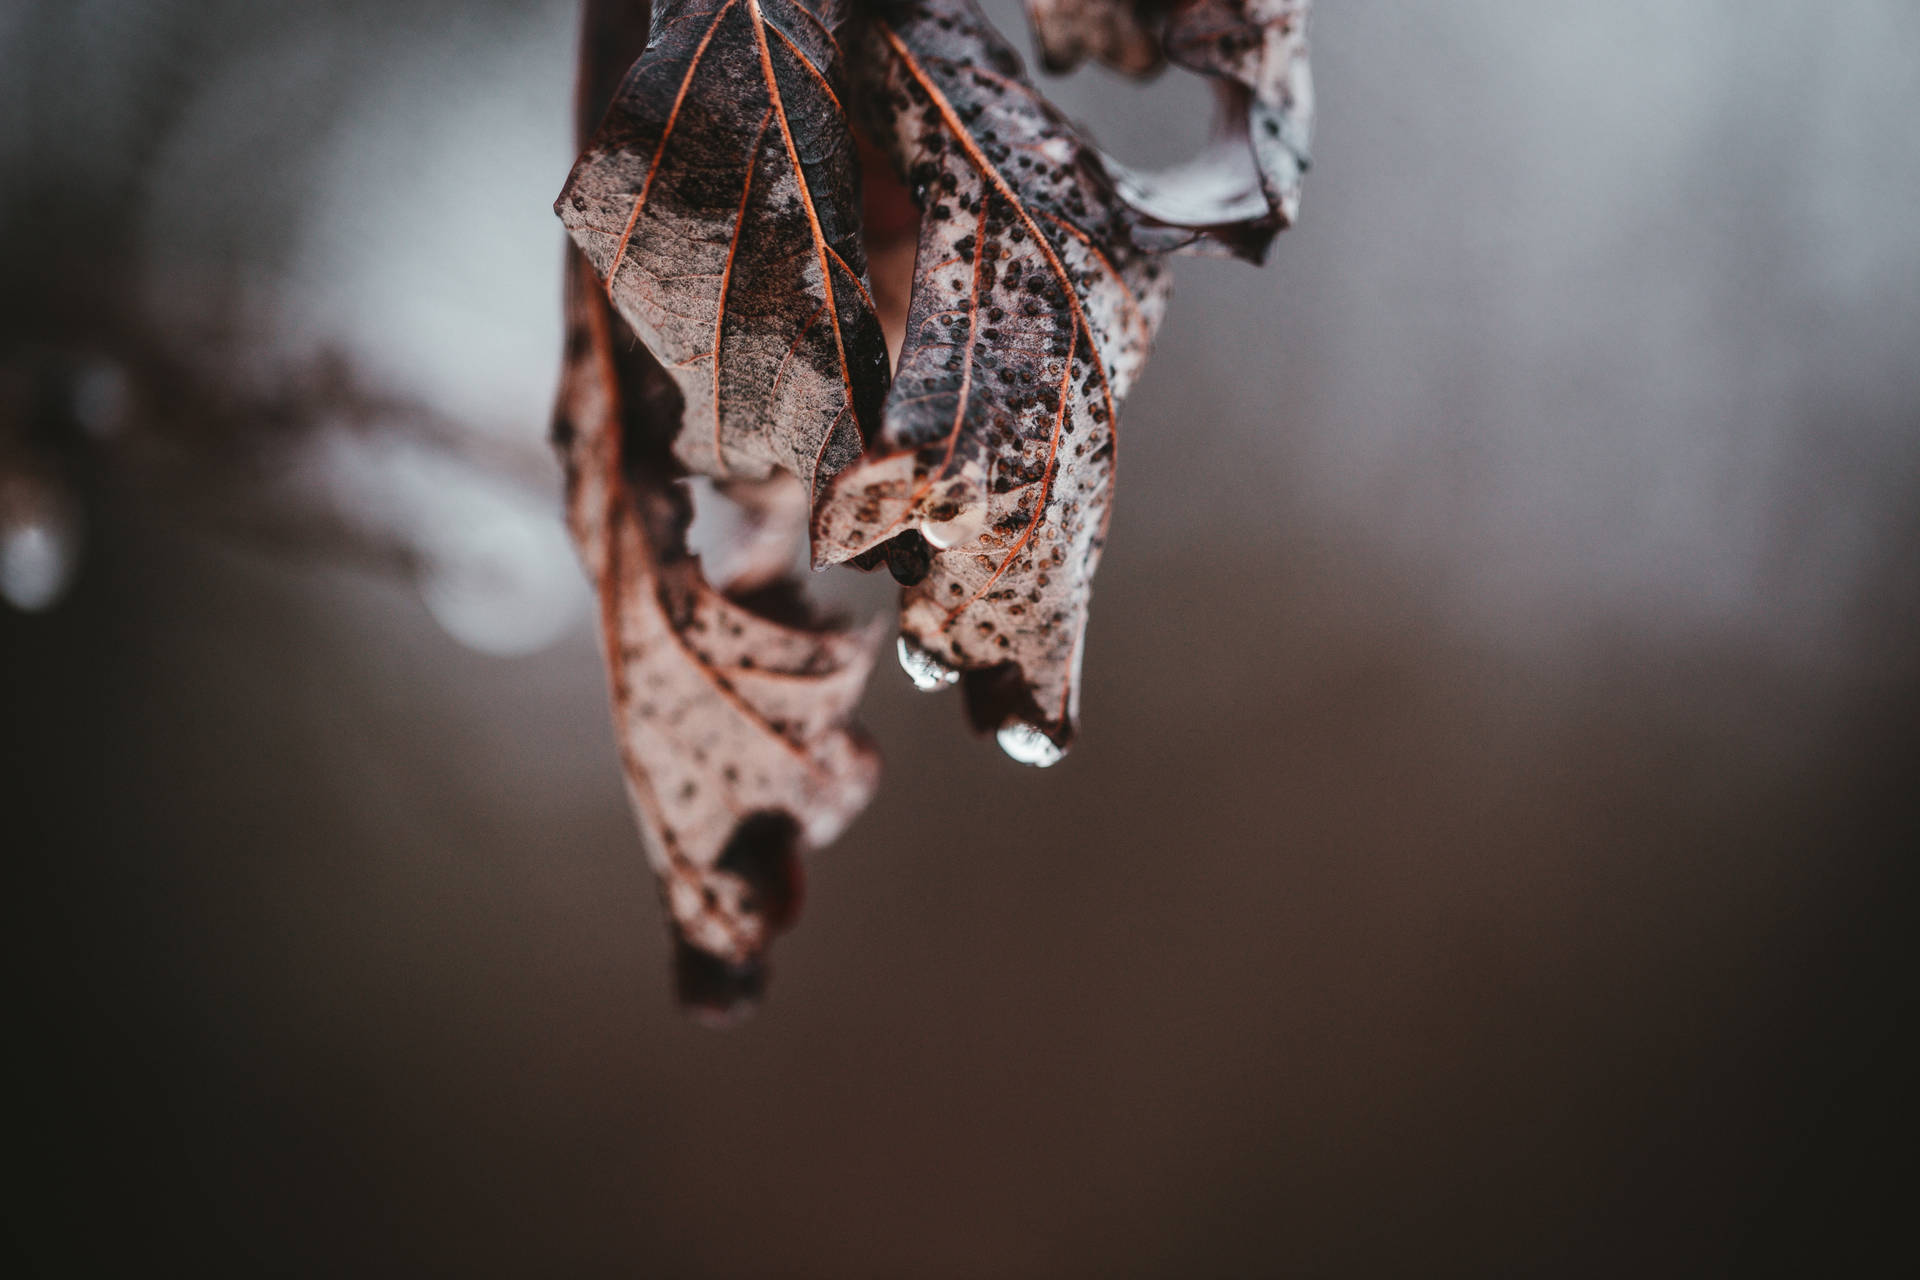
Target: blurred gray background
1488, 847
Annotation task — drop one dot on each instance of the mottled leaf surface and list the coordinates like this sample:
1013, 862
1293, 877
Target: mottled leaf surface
1029, 318
730, 709
732, 724
722, 324
718, 203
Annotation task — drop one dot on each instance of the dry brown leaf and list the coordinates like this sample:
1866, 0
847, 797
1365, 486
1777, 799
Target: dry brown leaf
1031, 315
732, 725
719, 202
718, 209
731, 711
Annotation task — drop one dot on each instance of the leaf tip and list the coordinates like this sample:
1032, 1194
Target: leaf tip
1001, 700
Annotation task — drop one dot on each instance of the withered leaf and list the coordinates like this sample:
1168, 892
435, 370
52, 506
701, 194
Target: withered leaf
1030, 316
718, 201
732, 724
718, 210
1244, 187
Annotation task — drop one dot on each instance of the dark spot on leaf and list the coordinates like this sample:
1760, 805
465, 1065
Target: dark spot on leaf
764, 853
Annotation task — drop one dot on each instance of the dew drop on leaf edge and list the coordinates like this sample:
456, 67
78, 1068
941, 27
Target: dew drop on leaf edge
1029, 745
928, 673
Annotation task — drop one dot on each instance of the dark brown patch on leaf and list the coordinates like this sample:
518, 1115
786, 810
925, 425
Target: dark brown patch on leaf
765, 854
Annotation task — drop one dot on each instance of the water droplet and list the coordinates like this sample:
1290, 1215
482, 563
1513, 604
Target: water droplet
927, 672
39, 547
1029, 745
963, 528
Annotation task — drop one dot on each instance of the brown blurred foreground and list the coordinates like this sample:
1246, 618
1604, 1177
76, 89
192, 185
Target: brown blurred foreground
1339, 949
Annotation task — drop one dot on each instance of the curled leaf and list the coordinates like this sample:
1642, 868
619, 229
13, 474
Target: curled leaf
1030, 316
732, 719
731, 711
1244, 187
718, 202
